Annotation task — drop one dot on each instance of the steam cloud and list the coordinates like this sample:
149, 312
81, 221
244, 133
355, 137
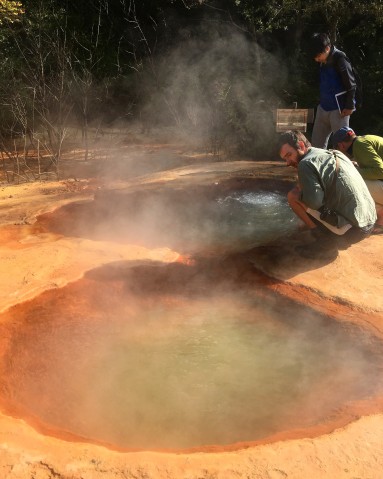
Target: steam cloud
218, 87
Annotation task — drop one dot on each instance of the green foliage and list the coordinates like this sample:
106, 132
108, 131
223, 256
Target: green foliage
10, 11
271, 15
215, 69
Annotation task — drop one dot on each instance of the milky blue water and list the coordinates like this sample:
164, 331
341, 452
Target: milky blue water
254, 218
189, 224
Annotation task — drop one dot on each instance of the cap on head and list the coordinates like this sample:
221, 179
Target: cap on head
343, 134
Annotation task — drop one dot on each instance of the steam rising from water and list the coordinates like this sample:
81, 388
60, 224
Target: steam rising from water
255, 218
154, 371
187, 221
218, 87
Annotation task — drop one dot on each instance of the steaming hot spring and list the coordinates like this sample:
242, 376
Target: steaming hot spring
181, 356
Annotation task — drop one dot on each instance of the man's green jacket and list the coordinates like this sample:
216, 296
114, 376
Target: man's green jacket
367, 151
350, 198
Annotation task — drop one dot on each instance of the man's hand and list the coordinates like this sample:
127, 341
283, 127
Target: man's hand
346, 112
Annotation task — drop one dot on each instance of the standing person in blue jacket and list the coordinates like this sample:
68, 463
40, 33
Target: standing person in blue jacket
337, 89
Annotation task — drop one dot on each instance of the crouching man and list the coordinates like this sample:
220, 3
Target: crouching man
367, 153
331, 197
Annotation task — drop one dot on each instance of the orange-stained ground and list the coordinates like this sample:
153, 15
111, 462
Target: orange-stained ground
347, 288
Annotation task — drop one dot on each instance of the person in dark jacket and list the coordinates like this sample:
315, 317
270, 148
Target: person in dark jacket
337, 89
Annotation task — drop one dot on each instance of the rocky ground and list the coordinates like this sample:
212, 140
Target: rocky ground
347, 287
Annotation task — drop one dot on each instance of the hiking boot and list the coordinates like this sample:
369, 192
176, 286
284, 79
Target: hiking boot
318, 250
324, 245
321, 233
377, 230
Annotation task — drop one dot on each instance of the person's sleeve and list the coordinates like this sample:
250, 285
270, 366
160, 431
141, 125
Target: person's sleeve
312, 194
344, 68
370, 163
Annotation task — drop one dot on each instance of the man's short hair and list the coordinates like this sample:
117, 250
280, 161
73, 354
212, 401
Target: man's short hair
317, 44
292, 138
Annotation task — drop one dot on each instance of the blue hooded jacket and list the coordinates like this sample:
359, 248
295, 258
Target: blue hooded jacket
336, 76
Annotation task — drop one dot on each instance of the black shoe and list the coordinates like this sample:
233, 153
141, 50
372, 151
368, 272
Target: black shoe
321, 233
318, 250
377, 230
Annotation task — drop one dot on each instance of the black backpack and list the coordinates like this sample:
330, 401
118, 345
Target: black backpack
358, 80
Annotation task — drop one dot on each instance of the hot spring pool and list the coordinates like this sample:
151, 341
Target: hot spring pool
134, 363
211, 219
